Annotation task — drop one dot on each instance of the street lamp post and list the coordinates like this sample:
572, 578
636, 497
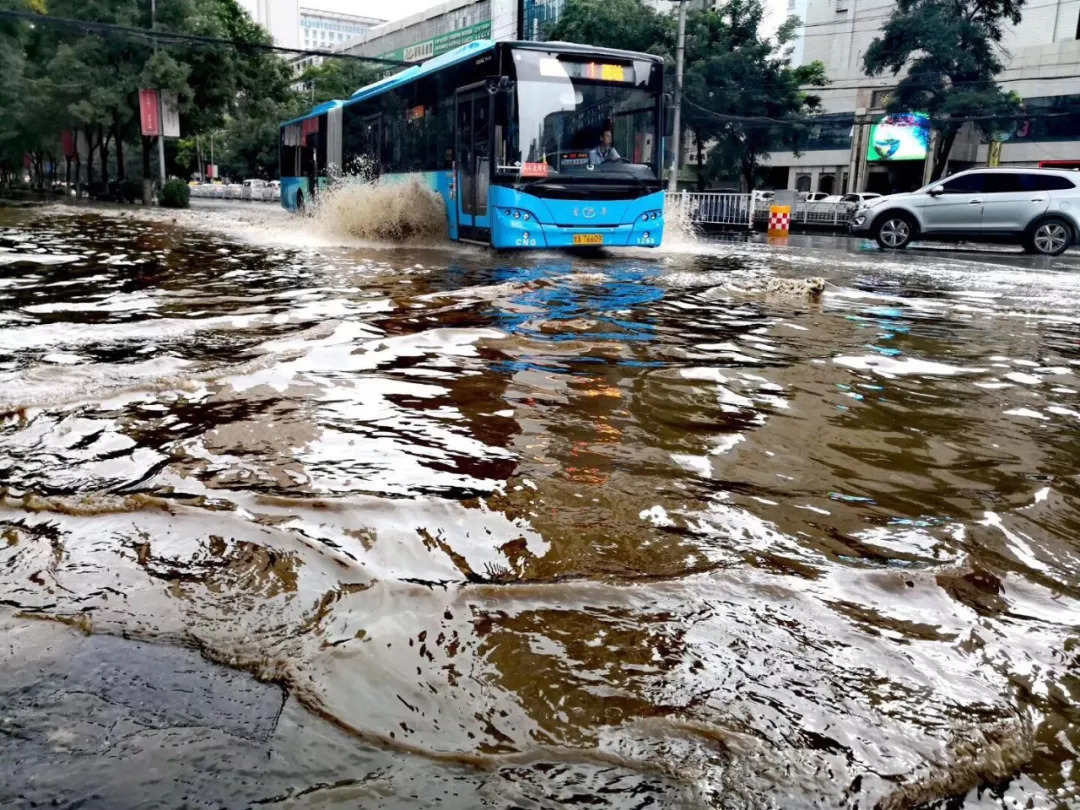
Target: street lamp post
680, 47
161, 122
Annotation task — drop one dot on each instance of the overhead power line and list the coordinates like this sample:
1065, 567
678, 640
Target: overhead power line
170, 38
933, 84
766, 121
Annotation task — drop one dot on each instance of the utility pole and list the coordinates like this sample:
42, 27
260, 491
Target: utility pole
161, 122
680, 47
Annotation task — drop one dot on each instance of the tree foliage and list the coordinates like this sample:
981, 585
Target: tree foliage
740, 93
627, 24
951, 50
55, 79
741, 97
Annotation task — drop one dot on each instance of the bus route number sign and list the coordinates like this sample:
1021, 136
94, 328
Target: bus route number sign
592, 71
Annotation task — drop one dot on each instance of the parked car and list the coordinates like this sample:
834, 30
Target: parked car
813, 196
860, 197
1036, 208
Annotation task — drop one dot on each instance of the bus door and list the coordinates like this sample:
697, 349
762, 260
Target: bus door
473, 159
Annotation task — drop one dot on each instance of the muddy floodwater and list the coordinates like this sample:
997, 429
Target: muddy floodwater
292, 521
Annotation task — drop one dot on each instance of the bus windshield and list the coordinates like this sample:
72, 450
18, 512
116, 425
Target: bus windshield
578, 116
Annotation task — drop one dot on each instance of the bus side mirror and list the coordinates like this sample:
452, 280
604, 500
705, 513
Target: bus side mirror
669, 120
498, 84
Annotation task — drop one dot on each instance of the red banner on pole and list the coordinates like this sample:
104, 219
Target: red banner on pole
148, 113
67, 139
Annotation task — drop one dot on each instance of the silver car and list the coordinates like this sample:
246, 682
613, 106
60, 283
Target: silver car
1036, 208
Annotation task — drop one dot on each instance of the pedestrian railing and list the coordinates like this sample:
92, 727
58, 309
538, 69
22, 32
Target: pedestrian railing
219, 191
712, 207
742, 210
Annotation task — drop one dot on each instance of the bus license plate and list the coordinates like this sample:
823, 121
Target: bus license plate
588, 239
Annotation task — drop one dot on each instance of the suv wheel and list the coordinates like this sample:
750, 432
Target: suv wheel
894, 231
1049, 237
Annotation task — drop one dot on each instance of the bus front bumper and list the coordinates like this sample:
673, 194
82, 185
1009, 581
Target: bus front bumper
508, 233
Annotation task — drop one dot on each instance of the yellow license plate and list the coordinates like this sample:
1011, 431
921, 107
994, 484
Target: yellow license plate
588, 239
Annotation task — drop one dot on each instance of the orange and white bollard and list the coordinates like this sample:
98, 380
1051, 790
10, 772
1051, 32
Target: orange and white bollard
779, 221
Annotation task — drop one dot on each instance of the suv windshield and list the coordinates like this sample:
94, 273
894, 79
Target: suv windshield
576, 116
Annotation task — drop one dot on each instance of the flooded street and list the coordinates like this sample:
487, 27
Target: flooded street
290, 521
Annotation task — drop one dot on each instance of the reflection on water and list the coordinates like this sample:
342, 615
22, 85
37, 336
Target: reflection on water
532, 530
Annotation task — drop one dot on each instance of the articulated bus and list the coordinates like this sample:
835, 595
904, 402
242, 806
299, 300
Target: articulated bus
530, 145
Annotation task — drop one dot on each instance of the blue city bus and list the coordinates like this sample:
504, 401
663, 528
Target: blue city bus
512, 135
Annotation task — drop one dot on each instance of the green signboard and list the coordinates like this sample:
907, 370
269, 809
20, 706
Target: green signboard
435, 46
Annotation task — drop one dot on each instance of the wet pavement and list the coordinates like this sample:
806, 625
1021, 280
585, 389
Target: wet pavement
297, 521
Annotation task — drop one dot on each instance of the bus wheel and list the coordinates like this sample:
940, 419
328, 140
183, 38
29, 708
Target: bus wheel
301, 208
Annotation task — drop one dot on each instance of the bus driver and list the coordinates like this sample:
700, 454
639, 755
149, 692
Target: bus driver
604, 151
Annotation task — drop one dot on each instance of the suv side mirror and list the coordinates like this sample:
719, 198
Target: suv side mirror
937, 191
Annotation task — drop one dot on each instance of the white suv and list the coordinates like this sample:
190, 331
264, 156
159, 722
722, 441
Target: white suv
1037, 208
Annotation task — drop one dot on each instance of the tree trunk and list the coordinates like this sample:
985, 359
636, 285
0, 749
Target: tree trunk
148, 179
103, 148
748, 174
78, 175
67, 176
121, 170
941, 153
89, 161
700, 163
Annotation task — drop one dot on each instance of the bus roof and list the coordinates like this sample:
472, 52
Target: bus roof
432, 65
460, 54
319, 109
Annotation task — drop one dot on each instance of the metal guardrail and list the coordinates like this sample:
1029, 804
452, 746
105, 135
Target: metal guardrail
743, 211
220, 191
713, 207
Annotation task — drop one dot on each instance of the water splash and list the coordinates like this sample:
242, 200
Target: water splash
382, 211
680, 232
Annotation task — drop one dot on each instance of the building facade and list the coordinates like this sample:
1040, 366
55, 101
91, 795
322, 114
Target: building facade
329, 31
431, 32
280, 17
856, 148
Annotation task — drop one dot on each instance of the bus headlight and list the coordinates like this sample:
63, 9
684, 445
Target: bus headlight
519, 214
651, 215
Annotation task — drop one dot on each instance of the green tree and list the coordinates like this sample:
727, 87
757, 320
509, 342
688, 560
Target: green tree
741, 95
951, 50
55, 78
336, 79
627, 24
